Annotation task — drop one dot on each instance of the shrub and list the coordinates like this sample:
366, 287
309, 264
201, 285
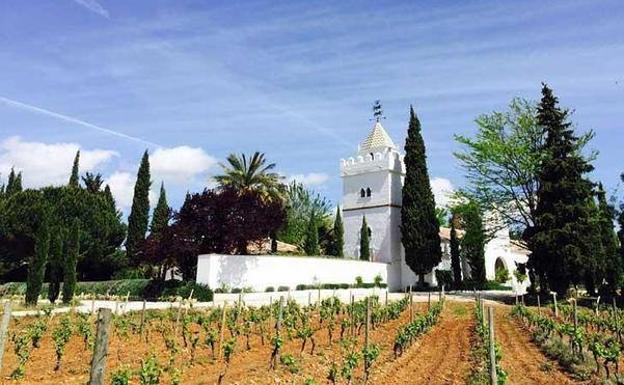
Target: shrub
378, 280
444, 277
358, 281
236, 290
301, 286
344, 286
269, 289
283, 288
121, 376
501, 274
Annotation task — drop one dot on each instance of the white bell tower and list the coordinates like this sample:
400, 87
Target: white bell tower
372, 182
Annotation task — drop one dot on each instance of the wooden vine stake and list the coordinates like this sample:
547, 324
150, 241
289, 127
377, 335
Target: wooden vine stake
411, 308
492, 347
4, 328
100, 350
575, 316
539, 305
142, 317
222, 333
366, 337
555, 302
352, 316
429, 302
278, 325
386, 303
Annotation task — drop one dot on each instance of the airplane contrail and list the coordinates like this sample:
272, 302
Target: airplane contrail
43, 111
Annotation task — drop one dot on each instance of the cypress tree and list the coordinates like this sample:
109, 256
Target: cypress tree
609, 240
71, 261
139, 213
594, 267
162, 212
473, 242
55, 266
311, 244
14, 183
74, 178
338, 239
419, 224
36, 268
364, 241
561, 243
455, 256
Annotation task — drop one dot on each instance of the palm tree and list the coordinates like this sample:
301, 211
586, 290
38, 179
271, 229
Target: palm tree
93, 182
251, 173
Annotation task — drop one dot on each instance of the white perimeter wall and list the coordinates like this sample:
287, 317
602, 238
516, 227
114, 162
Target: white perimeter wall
260, 271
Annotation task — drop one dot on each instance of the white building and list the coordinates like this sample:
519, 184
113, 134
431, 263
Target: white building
372, 188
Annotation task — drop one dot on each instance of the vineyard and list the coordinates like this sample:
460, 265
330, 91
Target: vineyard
335, 342
369, 341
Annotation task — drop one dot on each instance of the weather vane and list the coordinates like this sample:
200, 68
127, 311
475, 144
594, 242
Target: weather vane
378, 111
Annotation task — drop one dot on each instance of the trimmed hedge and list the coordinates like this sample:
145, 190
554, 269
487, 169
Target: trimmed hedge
137, 288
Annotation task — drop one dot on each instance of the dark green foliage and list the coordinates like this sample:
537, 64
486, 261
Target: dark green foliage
36, 268
55, 265
311, 244
444, 277
455, 256
74, 178
139, 213
71, 260
620, 220
162, 212
473, 242
364, 241
93, 182
337, 244
562, 242
14, 183
609, 241
419, 224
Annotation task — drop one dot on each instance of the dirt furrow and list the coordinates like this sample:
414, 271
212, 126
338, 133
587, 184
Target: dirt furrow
441, 357
522, 360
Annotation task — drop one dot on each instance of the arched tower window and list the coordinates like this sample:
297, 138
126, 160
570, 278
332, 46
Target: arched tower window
372, 156
368, 192
362, 193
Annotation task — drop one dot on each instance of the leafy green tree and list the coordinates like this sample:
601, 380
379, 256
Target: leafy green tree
74, 178
162, 212
93, 182
594, 267
473, 241
365, 241
609, 240
37, 265
455, 255
311, 245
337, 244
55, 265
139, 213
419, 224
251, 173
560, 244
71, 260
301, 204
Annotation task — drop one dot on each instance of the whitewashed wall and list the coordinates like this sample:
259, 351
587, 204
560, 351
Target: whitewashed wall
260, 271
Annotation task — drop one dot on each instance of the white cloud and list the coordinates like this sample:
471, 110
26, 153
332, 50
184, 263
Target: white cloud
180, 165
47, 164
311, 179
442, 190
122, 187
93, 6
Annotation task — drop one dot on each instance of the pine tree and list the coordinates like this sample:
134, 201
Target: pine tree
36, 268
162, 212
338, 236
55, 266
561, 244
74, 179
311, 244
419, 224
609, 240
139, 213
473, 242
71, 262
455, 256
364, 241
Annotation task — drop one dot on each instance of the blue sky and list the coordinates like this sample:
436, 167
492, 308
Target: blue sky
196, 80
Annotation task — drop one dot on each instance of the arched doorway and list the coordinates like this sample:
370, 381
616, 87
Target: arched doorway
501, 272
